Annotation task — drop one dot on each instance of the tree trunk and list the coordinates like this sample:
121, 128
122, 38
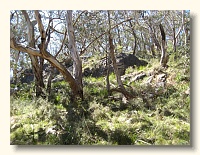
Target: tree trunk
164, 56
153, 36
186, 29
108, 73
15, 71
36, 67
119, 37
135, 37
51, 76
34, 53
38, 76
174, 39
77, 64
152, 48
142, 42
114, 63
187, 36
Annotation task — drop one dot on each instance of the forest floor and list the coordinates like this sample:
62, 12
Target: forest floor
159, 114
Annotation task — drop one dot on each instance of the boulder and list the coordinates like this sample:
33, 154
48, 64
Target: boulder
27, 76
130, 60
123, 62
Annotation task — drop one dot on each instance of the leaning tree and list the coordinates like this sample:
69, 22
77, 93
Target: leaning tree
41, 52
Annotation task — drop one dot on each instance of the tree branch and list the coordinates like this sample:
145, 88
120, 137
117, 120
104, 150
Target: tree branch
83, 51
31, 39
63, 42
67, 76
42, 31
27, 49
79, 17
56, 30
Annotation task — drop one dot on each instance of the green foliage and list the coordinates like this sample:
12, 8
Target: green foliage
129, 70
112, 77
140, 68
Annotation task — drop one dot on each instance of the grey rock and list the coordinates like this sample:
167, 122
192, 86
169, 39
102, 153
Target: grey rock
161, 77
139, 76
123, 62
149, 80
27, 76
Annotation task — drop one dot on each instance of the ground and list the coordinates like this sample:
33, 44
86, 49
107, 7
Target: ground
159, 114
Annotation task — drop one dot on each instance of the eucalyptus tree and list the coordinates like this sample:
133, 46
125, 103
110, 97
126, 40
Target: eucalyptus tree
178, 26
114, 62
28, 38
62, 36
41, 35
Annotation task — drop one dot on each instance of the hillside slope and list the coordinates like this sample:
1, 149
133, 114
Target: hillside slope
159, 114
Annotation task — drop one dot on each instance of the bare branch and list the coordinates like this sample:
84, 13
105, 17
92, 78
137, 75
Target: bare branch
27, 49
63, 42
83, 51
181, 27
40, 25
56, 30
79, 17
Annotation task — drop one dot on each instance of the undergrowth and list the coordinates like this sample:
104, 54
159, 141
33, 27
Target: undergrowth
156, 116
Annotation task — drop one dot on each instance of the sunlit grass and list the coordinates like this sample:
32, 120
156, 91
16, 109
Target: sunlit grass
156, 116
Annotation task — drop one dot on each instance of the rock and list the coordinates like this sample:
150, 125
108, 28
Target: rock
187, 92
87, 72
161, 77
139, 76
123, 62
130, 60
149, 80
27, 76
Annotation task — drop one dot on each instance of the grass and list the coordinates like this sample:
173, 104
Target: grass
156, 116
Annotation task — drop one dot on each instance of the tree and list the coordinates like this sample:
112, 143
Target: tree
60, 37
43, 53
112, 55
37, 65
77, 64
164, 56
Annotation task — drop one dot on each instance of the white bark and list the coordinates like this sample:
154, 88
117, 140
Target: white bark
77, 64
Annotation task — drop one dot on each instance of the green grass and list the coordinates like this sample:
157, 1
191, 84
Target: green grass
156, 116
